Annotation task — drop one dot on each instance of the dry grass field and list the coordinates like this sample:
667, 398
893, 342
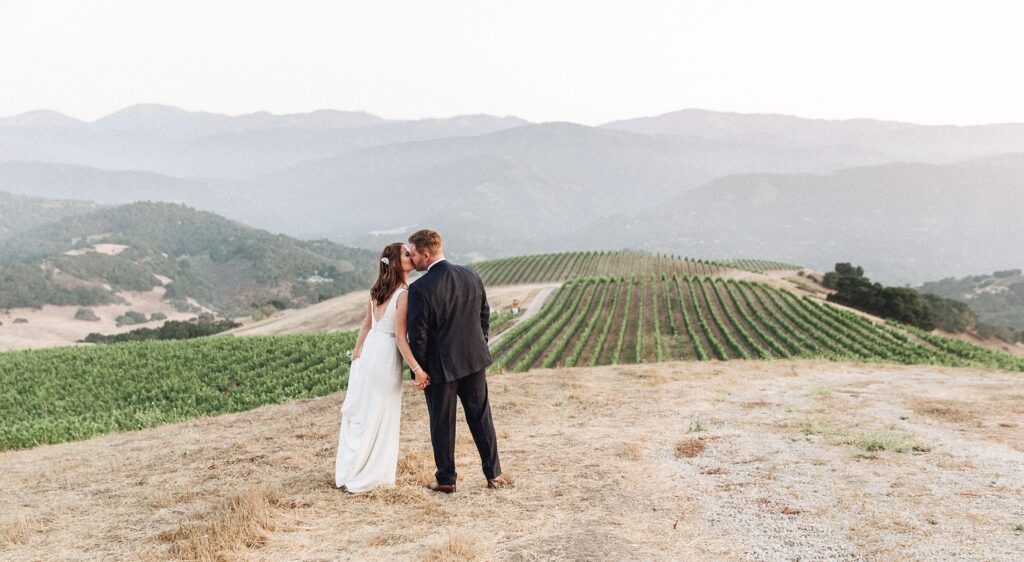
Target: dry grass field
53, 326
678, 461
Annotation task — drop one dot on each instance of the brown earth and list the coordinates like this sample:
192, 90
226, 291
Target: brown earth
680, 461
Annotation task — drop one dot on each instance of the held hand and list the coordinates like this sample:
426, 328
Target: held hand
422, 380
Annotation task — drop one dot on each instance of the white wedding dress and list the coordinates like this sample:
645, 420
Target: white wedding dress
371, 413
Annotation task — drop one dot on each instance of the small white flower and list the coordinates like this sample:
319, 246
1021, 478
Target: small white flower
385, 260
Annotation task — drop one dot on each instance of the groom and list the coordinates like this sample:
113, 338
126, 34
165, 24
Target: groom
447, 325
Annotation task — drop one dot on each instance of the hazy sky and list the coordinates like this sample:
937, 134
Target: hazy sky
583, 61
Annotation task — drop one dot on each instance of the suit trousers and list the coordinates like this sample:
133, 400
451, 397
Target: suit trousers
471, 390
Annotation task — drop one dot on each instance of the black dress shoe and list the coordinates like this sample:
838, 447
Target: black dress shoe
498, 482
443, 488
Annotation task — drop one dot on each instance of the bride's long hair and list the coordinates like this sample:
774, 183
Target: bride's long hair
389, 273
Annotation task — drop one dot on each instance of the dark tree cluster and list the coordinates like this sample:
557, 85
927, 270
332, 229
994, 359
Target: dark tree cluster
926, 311
171, 330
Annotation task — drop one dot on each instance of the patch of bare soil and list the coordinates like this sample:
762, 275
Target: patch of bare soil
53, 326
796, 460
108, 249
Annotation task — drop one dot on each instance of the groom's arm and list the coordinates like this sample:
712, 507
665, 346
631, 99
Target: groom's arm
416, 325
485, 311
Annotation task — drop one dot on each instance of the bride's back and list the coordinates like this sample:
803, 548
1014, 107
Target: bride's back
386, 322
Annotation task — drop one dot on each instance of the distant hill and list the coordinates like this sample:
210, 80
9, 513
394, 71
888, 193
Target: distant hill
86, 259
41, 118
172, 141
107, 187
174, 122
909, 202
15, 153
900, 141
19, 213
904, 223
997, 298
505, 193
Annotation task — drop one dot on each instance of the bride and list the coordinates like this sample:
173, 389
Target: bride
370, 415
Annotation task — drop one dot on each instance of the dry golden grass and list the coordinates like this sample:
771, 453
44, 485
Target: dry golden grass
948, 410
455, 549
229, 527
630, 451
52, 325
593, 453
689, 448
14, 532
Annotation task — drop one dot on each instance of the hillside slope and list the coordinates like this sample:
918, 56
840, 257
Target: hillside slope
19, 212
997, 298
678, 461
190, 254
904, 223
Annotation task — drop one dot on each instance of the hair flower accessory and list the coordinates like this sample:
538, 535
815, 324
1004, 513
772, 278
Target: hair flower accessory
385, 260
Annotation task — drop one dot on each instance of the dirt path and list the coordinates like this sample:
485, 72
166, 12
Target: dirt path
532, 304
679, 461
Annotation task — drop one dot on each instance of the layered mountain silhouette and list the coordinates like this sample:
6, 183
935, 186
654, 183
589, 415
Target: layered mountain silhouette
909, 202
172, 141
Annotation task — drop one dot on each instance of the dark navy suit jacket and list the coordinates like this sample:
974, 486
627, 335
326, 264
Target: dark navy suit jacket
448, 321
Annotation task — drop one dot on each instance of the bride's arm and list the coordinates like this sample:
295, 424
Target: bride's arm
400, 332
363, 330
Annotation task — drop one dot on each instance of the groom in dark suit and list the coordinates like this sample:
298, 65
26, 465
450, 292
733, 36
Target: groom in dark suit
447, 325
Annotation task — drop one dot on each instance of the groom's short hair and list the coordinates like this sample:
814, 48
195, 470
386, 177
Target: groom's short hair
426, 240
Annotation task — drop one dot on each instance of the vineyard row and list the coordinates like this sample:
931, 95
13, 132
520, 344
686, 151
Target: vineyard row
662, 317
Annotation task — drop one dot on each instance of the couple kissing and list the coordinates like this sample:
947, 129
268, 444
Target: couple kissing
438, 325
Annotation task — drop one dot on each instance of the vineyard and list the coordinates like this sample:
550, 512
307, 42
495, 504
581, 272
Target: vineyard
555, 268
639, 319
70, 393
759, 266
663, 314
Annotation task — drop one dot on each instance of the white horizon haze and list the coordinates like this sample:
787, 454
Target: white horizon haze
938, 62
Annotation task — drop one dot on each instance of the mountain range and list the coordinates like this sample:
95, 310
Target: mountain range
909, 202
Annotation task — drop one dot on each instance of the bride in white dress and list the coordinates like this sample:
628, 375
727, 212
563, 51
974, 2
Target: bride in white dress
370, 416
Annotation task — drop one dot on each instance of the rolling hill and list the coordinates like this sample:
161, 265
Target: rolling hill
19, 213
186, 254
504, 193
116, 187
996, 298
903, 222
